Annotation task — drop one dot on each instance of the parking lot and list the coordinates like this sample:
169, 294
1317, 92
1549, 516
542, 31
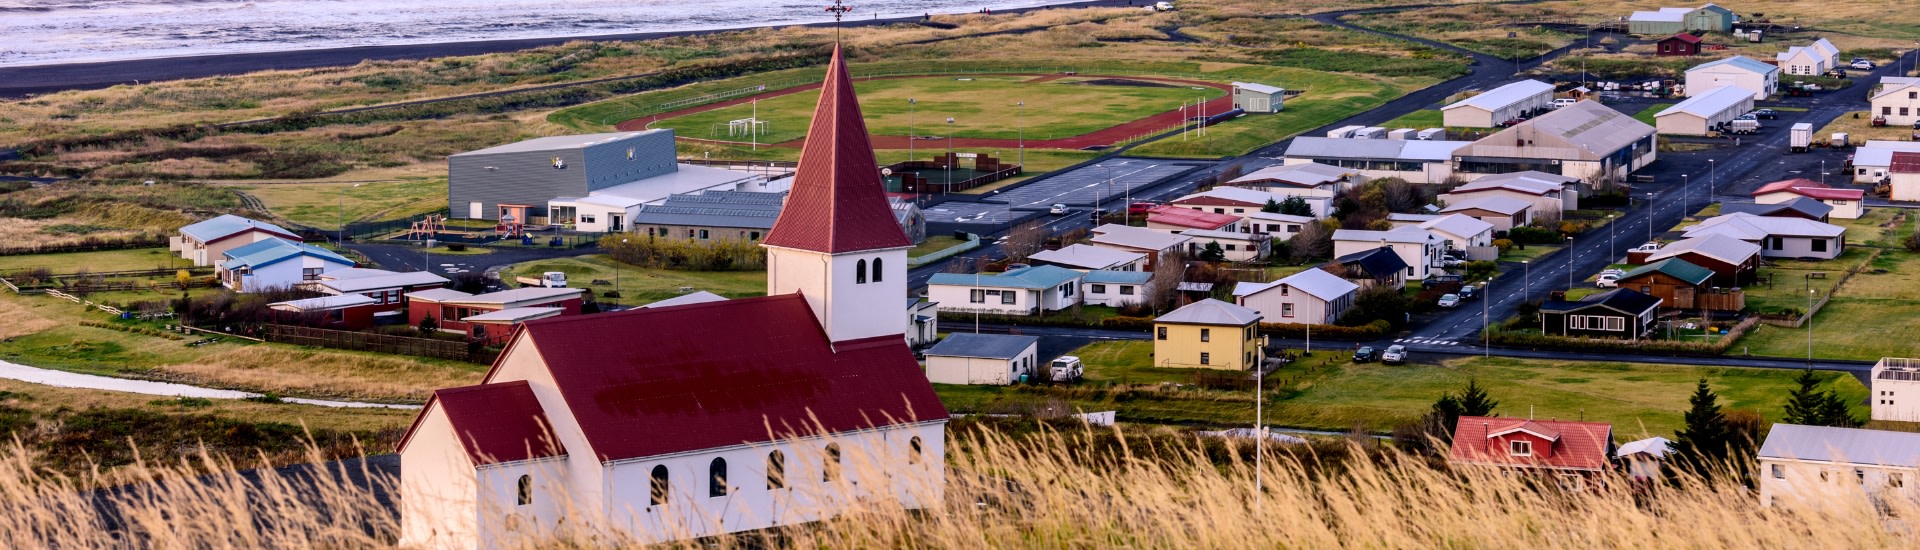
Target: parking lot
1079, 189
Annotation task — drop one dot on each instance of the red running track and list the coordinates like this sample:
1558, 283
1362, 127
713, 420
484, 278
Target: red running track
1107, 136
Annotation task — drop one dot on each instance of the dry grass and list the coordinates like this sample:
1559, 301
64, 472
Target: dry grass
325, 373
20, 321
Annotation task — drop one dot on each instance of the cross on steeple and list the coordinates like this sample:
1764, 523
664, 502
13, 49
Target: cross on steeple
838, 10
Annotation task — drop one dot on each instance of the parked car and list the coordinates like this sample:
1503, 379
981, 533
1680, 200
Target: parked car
1450, 300
1748, 116
1862, 64
1565, 101
1607, 281
1651, 246
1396, 355
1768, 114
1057, 209
1140, 208
1365, 354
1450, 261
1468, 292
1614, 271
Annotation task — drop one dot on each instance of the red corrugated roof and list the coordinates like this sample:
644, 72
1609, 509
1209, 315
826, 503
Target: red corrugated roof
1905, 163
649, 382
1811, 189
498, 422
1187, 217
1684, 37
1578, 446
1786, 185
838, 203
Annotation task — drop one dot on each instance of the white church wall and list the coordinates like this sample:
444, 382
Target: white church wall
846, 306
523, 362
437, 493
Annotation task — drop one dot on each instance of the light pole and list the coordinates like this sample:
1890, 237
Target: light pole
1649, 216
1526, 277
1569, 263
1686, 195
1021, 115
1485, 350
910, 137
616, 275
1713, 185
1610, 247
1809, 322
950, 159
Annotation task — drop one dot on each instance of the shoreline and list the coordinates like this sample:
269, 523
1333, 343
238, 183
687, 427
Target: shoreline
25, 81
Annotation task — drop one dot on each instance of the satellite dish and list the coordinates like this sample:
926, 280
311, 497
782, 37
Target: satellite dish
886, 171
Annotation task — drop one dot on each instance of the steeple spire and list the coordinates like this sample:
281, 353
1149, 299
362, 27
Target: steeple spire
838, 203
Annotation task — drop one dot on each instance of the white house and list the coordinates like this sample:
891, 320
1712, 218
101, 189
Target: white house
1115, 288
1847, 204
1645, 457
1415, 246
992, 359
1021, 291
1778, 237
1705, 112
1505, 213
1898, 102
1276, 225
206, 242
1086, 257
1746, 73
276, 263
1810, 60
1488, 109
1139, 239
1313, 297
923, 322
578, 430
1550, 194
1461, 232
1896, 389
1236, 246
1903, 172
1303, 179
1873, 162
1818, 466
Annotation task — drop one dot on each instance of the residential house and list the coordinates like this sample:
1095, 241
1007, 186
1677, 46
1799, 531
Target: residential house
1903, 175
1797, 207
450, 308
1572, 453
1374, 267
1225, 201
389, 289
1584, 141
1895, 385
1303, 179
1417, 247
1504, 213
1019, 291
1494, 107
1234, 246
1873, 162
1898, 102
1681, 285
1472, 237
1550, 194
1086, 257
1155, 244
1645, 458
206, 242
1312, 297
1734, 262
1819, 466
1755, 76
561, 436
1811, 60
923, 322
496, 327
276, 263
1177, 218
1682, 44
1258, 98
1619, 313
1115, 288
1705, 112
1277, 226
1414, 160
1778, 237
1847, 204
989, 359
345, 312
1208, 334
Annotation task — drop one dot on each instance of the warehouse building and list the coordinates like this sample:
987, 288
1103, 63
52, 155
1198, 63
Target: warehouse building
1583, 140
1491, 108
1743, 72
1705, 112
1667, 21
593, 182
1257, 98
1417, 161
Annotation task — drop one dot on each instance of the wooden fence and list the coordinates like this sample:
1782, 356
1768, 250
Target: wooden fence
379, 343
1797, 322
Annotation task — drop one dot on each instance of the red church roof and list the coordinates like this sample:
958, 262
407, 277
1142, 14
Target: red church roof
1809, 188
497, 422
1557, 444
649, 382
838, 203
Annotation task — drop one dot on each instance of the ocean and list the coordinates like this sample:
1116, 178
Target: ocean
41, 32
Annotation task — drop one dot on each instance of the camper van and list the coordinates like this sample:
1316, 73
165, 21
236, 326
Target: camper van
1344, 132
1401, 134
1372, 132
1433, 134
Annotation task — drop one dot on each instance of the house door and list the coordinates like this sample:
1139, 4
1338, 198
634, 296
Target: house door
474, 210
1683, 297
614, 222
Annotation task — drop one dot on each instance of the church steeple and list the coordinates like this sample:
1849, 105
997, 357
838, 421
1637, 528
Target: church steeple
838, 203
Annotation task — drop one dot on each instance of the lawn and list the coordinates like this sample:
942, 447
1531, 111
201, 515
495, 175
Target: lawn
1876, 314
640, 285
1324, 99
933, 244
1859, 127
1531, 253
322, 205
1418, 120
980, 106
1646, 115
106, 260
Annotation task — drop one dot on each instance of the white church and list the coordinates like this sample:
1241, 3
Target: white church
696, 420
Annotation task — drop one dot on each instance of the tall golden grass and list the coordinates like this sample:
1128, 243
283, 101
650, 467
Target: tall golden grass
1083, 489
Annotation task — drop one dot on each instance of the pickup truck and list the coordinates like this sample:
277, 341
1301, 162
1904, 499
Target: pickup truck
550, 279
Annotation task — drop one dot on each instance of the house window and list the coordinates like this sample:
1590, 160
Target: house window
1819, 245
876, 270
1009, 297
393, 297
1777, 243
1859, 476
1520, 448
658, 487
1886, 110
1286, 310
754, 235
913, 450
1779, 471
1231, 248
860, 272
1097, 289
1913, 95
1160, 333
717, 477
690, 233
1219, 210
1826, 475
1239, 210
1126, 290
1206, 335
1286, 290
704, 235
978, 296
830, 468
525, 490
586, 218
1249, 358
1206, 358
1293, 228
776, 470
1273, 227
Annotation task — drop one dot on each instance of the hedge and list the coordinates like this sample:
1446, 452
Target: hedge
1369, 331
1501, 337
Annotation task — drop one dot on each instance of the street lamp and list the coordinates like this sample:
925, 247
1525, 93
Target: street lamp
950, 159
1484, 341
1021, 114
1713, 185
910, 137
1809, 322
1569, 263
1686, 195
1610, 247
1526, 278
616, 274
1649, 216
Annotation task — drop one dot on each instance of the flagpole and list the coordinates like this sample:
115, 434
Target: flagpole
756, 124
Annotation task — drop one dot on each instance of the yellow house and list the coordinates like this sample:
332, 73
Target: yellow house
1207, 334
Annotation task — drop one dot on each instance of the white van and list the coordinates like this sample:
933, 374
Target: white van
1433, 134
1565, 101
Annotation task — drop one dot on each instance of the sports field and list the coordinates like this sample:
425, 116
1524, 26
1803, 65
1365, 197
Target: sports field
981, 107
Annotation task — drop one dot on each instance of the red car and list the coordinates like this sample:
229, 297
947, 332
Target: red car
1140, 207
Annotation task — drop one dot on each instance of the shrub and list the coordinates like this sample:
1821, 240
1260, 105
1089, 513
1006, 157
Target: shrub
686, 254
1503, 244
456, 247
1369, 331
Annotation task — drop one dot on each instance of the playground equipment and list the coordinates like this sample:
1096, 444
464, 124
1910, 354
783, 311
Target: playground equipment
512, 221
429, 228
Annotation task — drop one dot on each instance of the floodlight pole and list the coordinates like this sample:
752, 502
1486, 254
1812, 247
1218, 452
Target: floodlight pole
1649, 216
1485, 350
1686, 195
1809, 322
1020, 114
1526, 277
616, 274
950, 158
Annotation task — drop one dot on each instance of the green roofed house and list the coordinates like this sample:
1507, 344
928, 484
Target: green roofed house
1019, 291
276, 263
1680, 284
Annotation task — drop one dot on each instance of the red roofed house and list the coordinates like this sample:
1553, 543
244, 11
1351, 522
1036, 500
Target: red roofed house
1846, 203
1679, 44
1175, 219
1905, 175
702, 419
1571, 450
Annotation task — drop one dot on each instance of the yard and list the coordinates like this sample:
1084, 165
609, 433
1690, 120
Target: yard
106, 260
1646, 115
1875, 314
934, 243
1418, 120
640, 285
1859, 127
323, 205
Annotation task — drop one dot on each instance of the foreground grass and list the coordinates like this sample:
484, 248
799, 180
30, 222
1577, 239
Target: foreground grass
640, 285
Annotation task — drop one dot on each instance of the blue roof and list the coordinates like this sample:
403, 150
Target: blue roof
1036, 278
260, 254
1120, 277
1740, 61
989, 346
227, 224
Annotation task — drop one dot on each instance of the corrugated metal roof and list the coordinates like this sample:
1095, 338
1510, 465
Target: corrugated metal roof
515, 314
1260, 88
1531, 182
438, 295
1656, 447
742, 209
1739, 62
522, 294
1842, 445
1710, 103
1310, 174
1219, 234
1311, 147
1748, 227
1138, 238
1087, 256
1804, 206
1117, 277
1501, 97
1903, 162
985, 346
227, 225
700, 297
1491, 203
687, 178
1038, 277
1211, 312
324, 303
1458, 225
1578, 445
561, 143
1378, 262
1662, 16
1672, 267
1319, 283
839, 203
1594, 130
1402, 234
272, 250
1720, 247
362, 283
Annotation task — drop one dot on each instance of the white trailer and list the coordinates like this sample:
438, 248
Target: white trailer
1401, 134
1800, 136
1344, 132
1371, 132
1433, 134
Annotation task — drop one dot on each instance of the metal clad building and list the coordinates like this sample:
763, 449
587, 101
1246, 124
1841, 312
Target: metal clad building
534, 171
1257, 98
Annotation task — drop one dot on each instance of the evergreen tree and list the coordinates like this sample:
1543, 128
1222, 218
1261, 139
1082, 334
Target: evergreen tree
1213, 253
1702, 444
1271, 207
1474, 400
1835, 412
1804, 403
1296, 206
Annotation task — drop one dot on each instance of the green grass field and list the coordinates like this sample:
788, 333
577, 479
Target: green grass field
105, 260
934, 243
1646, 115
1874, 315
1418, 120
642, 285
1325, 98
322, 205
981, 106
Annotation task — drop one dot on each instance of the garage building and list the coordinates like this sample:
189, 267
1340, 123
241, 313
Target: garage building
997, 359
1705, 112
1747, 73
1582, 140
1257, 98
1489, 109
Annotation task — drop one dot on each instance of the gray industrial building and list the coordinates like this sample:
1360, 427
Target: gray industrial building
740, 215
527, 174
